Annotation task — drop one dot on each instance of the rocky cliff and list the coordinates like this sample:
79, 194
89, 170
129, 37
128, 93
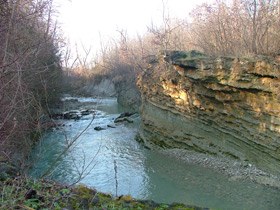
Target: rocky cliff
128, 95
218, 106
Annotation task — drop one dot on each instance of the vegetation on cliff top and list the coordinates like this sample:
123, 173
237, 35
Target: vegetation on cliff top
223, 28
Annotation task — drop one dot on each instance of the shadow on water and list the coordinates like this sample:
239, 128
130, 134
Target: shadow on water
142, 173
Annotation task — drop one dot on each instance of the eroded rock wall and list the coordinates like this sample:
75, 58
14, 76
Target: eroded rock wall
104, 88
219, 106
128, 95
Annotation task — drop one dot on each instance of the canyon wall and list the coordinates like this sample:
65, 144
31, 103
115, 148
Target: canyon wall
128, 95
222, 106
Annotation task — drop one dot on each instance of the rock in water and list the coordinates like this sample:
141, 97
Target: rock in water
98, 128
124, 117
71, 115
111, 126
85, 112
125, 114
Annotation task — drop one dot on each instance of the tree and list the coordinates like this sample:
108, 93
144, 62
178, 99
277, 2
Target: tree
29, 72
237, 27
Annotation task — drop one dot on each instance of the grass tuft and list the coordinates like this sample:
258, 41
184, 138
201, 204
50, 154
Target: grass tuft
29, 194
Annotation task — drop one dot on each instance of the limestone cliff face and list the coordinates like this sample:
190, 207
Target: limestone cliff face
219, 106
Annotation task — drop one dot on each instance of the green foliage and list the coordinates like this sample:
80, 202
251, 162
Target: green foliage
64, 191
32, 203
51, 195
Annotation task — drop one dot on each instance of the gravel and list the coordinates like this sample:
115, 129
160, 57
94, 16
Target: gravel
234, 169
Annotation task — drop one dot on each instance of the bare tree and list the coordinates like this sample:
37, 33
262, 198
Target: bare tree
237, 27
29, 65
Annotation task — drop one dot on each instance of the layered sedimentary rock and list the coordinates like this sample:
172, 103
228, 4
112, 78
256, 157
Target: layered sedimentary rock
219, 106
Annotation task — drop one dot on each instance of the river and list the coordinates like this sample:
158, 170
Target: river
113, 154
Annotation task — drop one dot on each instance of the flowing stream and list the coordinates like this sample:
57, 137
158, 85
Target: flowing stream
140, 172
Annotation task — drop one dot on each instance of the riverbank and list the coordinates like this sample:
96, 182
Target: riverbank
234, 169
30, 194
225, 109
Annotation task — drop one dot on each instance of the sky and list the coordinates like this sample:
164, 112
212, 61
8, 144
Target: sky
92, 22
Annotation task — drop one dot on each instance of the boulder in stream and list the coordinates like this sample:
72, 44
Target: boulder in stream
111, 126
87, 112
98, 128
124, 117
71, 116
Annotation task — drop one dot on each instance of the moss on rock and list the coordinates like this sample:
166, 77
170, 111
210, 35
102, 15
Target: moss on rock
26, 193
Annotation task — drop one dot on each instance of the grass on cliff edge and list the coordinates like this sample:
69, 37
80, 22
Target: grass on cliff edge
29, 194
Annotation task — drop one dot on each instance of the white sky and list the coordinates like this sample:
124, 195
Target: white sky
86, 21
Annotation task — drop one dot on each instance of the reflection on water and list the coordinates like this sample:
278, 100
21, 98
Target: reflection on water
141, 173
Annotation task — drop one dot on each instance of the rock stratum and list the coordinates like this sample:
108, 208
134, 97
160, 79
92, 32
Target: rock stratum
226, 106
